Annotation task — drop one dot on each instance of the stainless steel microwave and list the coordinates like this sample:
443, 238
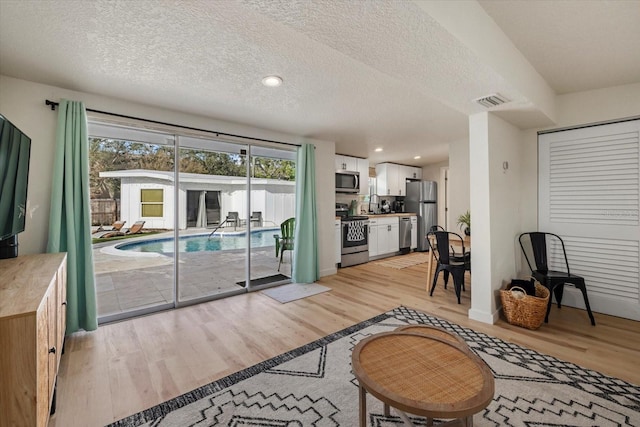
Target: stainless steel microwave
347, 182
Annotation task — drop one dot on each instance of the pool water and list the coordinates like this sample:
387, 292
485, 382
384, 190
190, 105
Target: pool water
202, 242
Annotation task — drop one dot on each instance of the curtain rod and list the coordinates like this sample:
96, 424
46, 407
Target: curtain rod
54, 104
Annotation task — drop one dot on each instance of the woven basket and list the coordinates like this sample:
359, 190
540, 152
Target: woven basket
525, 310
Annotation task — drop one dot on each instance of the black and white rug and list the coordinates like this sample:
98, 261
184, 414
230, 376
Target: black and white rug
313, 386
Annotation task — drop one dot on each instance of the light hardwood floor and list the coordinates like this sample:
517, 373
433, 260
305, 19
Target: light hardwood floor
123, 368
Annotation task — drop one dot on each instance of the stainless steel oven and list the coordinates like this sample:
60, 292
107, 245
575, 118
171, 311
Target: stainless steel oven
355, 240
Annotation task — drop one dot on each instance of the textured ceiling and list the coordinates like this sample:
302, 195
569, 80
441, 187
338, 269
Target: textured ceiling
361, 73
576, 45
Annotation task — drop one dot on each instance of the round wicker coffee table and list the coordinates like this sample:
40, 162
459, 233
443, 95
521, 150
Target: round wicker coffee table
423, 375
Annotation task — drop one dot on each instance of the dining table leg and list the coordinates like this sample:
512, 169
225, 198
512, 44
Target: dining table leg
430, 269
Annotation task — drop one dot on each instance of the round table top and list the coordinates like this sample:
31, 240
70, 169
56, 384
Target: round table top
423, 375
433, 331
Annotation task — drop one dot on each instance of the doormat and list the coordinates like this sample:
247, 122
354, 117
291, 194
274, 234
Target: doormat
404, 261
265, 280
294, 291
313, 386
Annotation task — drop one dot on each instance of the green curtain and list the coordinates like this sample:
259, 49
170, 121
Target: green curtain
70, 216
305, 248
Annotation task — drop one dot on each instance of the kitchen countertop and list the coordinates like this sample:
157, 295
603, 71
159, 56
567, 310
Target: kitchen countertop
389, 215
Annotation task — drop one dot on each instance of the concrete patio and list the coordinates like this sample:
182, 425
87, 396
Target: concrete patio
128, 280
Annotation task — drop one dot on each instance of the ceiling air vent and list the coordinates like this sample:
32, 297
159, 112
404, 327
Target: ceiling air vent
492, 100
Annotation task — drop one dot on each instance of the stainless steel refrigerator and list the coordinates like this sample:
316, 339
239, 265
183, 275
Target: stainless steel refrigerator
422, 199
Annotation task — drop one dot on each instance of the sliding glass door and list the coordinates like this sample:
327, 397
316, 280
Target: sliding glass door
202, 218
211, 211
232, 199
272, 200
132, 195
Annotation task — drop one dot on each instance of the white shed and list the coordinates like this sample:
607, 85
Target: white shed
204, 200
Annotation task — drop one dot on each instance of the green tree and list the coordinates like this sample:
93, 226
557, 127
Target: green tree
112, 154
274, 168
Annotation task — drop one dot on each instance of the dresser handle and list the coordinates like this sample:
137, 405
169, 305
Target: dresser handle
64, 303
52, 350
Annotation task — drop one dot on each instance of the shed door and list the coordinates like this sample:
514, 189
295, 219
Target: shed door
588, 193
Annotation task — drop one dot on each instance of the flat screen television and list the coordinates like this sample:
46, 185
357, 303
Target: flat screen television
15, 149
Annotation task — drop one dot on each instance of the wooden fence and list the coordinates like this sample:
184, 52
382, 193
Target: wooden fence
104, 211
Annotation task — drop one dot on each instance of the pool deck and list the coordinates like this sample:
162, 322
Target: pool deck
128, 281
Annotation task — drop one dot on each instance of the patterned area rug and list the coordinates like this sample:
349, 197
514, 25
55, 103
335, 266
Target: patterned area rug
313, 386
405, 261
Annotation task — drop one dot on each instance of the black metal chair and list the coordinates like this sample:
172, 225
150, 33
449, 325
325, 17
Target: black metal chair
466, 257
445, 262
554, 280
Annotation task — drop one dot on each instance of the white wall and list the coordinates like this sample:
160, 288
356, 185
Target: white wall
459, 201
275, 207
432, 172
572, 110
22, 102
130, 206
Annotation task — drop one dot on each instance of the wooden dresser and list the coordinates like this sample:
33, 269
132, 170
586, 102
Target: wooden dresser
32, 325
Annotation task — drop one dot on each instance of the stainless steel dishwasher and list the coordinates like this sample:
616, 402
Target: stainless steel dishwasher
405, 234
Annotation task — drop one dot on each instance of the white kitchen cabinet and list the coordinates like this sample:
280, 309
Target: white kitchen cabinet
355, 164
373, 237
387, 180
388, 235
412, 172
414, 232
338, 241
346, 163
392, 179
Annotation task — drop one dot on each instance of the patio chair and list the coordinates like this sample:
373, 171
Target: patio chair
256, 219
284, 240
233, 218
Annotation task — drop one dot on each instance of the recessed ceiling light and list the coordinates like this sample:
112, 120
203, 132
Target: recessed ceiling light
379, 149
272, 81
416, 157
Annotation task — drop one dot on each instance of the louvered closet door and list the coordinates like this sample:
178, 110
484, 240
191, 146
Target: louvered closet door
588, 193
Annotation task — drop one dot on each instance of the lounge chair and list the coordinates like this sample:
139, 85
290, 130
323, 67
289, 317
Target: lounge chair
116, 226
136, 228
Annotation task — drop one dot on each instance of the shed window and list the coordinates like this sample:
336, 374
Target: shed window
151, 202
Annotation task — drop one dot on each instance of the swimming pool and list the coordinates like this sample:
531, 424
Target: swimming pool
202, 242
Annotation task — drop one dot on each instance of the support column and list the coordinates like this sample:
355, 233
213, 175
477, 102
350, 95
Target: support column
480, 202
494, 152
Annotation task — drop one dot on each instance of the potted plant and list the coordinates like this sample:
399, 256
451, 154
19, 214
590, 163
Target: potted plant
464, 222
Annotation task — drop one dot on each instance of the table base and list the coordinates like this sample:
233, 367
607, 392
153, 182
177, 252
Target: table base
458, 422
